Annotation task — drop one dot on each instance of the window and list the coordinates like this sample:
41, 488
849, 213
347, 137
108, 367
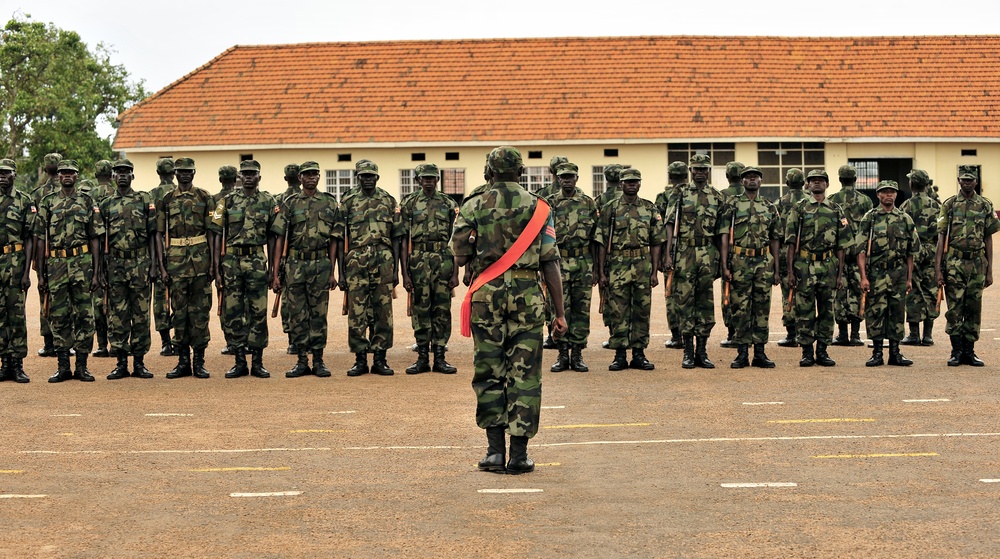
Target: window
534, 155
453, 181
721, 153
775, 159
406, 182
535, 178
246, 156
968, 153
339, 182
418, 157
611, 152
343, 157
451, 156
598, 177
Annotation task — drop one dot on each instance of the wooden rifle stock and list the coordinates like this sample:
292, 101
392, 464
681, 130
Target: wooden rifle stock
791, 267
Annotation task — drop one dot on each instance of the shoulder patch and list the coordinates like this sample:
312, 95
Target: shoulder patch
843, 222
277, 209
658, 217
97, 210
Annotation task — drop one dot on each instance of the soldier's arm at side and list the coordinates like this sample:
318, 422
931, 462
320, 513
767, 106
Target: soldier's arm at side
909, 274
939, 255
332, 253
654, 254
553, 282
95, 264
724, 258
840, 268
988, 243
775, 250
865, 284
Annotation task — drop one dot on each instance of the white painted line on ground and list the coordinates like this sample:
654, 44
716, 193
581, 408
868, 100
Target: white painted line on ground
881, 455
553, 407
990, 480
763, 403
596, 425
169, 415
510, 491
547, 464
987, 329
67, 415
271, 494
11, 471
317, 431
927, 400
9, 496
831, 420
348, 411
243, 469
763, 484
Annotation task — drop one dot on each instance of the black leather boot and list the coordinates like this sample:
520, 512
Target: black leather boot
139, 369
183, 368
166, 348
621, 361
292, 348
549, 343
876, 358
81, 372
319, 368
807, 356
17, 371
48, 349
576, 359
562, 361
895, 357
728, 342
606, 344
257, 363
380, 366
675, 341
789, 340
639, 361
969, 356
913, 338
956, 351
742, 357
855, 340
822, 357
5, 363
423, 363
687, 361
301, 367
496, 451
700, 353
842, 337
63, 371
198, 363
440, 364
760, 358
102, 341
519, 462
928, 326
360, 365
228, 350
240, 368
121, 368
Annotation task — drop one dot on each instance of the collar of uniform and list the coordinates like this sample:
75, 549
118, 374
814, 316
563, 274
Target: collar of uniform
507, 185
118, 193
576, 194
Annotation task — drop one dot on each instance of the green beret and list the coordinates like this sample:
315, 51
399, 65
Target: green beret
700, 160
567, 169
227, 172
184, 164
249, 165
631, 174
123, 164
102, 168
308, 166
504, 159
887, 185
8, 165
69, 165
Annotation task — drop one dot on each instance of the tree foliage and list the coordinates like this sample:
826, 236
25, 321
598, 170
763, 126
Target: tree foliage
54, 91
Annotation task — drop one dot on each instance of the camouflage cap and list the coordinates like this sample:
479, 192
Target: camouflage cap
307, 166
123, 164
292, 170
52, 158
249, 165
818, 173
361, 163
227, 172
556, 161
700, 160
751, 169
102, 168
887, 185
8, 165
165, 165
919, 177
504, 159
631, 174
968, 172
612, 173
795, 176
426, 170
69, 165
184, 164
677, 169
734, 169
567, 169
366, 167
847, 172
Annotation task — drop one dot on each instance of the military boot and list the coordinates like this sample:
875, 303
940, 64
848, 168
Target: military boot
17, 371
81, 372
550, 342
895, 357
423, 363
789, 340
139, 369
48, 349
562, 362
240, 368
675, 341
102, 342
121, 368
639, 361
620, 362
319, 368
5, 363
257, 363
228, 350
360, 365
495, 452
183, 368
728, 342
167, 349
380, 366
301, 367
842, 337
440, 364
63, 372
822, 357
760, 358
876, 358
855, 340
956, 351
519, 462
292, 348
687, 361
928, 326
198, 363
969, 356
913, 338
742, 357
606, 344
807, 356
576, 359
700, 353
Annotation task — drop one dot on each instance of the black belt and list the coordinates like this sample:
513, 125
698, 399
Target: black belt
245, 250
430, 246
750, 252
296, 254
632, 252
696, 242
966, 254
573, 252
14, 247
127, 254
68, 252
815, 256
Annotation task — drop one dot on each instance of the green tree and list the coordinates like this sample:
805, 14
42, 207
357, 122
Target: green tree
54, 91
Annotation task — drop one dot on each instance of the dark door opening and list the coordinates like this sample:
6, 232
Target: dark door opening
871, 171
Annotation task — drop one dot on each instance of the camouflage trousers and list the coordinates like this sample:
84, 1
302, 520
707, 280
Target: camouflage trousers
694, 283
964, 284
128, 305
369, 299
71, 305
578, 289
922, 299
507, 320
787, 314
671, 303
161, 313
244, 301
885, 304
100, 313
286, 317
43, 322
847, 306
430, 314
750, 297
814, 296
13, 326
630, 302
191, 302
307, 301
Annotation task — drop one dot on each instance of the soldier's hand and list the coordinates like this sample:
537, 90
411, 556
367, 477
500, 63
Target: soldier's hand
866, 286
668, 264
407, 283
453, 282
840, 283
604, 281
989, 278
333, 283
163, 276
218, 282
727, 275
792, 281
94, 283
654, 279
559, 327
777, 279
270, 281
940, 279
276, 283
152, 276
909, 287
467, 277
343, 282
26, 282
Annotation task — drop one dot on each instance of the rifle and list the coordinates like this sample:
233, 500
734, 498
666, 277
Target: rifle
347, 231
732, 227
868, 253
222, 252
791, 267
281, 272
409, 294
673, 249
45, 274
166, 249
104, 261
944, 253
602, 292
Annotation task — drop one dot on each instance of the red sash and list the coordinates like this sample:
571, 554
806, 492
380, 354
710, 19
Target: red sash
508, 259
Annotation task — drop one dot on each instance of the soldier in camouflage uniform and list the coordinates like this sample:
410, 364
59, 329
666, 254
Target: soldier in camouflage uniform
819, 230
932, 191
888, 242
847, 308
17, 222
576, 216
307, 221
698, 259
161, 310
794, 180
921, 301
48, 183
429, 271
294, 188
130, 268
244, 219
630, 236
186, 262
227, 178
677, 174
612, 191
69, 223
475, 193
103, 189
369, 226
507, 313
966, 225
545, 193
735, 188
750, 265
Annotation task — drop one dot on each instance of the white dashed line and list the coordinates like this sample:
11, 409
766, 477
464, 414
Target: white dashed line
8, 496
553, 407
272, 494
763, 403
990, 480
927, 400
67, 415
339, 412
753, 485
169, 415
510, 491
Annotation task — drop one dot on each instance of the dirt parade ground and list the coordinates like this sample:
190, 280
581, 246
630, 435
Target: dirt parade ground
789, 462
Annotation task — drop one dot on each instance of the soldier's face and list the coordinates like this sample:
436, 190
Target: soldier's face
699, 174
250, 179
630, 187
817, 185
886, 197
184, 176
428, 183
968, 185
368, 181
6, 179
751, 182
123, 178
309, 179
567, 181
67, 177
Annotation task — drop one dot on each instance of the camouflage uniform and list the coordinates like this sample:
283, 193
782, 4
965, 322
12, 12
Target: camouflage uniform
678, 170
612, 191
227, 178
922, 299
100, 192
548, 190
794, 180
735, 188
17, 216
294, 188
847, 306
46, 186
161, 312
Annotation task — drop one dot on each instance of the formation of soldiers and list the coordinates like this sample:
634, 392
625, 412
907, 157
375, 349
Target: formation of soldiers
106, 256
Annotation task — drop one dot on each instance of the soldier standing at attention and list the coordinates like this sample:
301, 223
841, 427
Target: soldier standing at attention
922, 299
307, 221
369, 225
794, 180
575, 215
966, 224
294, 187
429, 271
698, 259
544, 193
104, 188
69, 223
633, 230
750, 264
245, 218
227, 178
17, 245
612, 190
677, 173
187, 262
735, 188
130, 225
888, 243
48, 184
847, 308
505, 307
161, 311
818, 228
